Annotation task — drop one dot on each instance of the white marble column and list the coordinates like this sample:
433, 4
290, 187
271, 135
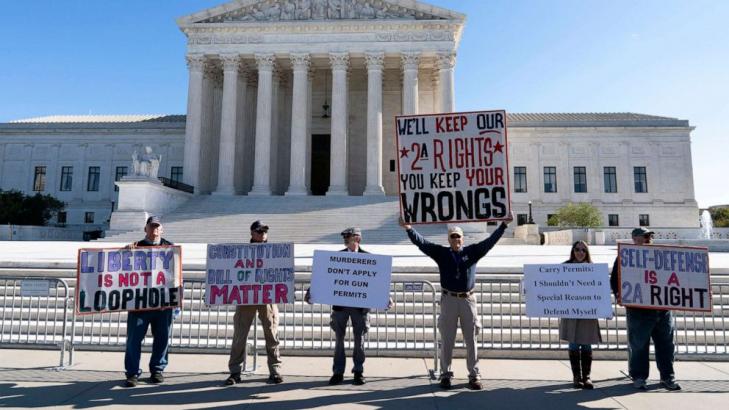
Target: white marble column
226, 156
262, 168
340, 113
193, 126
446, 64
299, 110
435, 84
375, 64
410, 66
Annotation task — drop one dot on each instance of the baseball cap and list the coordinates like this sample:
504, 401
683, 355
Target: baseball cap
154, 220
455, 230
642, 231
258, 225
352, 231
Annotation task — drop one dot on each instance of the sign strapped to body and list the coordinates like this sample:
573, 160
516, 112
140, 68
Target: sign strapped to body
249, 274
351, 279
128, 279
453, 167
664, 277
568, 290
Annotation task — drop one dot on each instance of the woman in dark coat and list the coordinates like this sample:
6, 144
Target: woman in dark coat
580, 333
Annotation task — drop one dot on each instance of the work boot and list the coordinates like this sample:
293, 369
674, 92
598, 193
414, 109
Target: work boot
157, 378
233, 379
131, 381
575, 365
275, 379
359, 379
445, 382
475, 384
586, 364
336, 379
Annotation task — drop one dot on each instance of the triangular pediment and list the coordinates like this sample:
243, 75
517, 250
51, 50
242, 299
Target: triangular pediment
319, 10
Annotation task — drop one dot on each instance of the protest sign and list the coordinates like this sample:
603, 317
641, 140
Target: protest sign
568, 290
664, 277
249, 274
453, 167
123, 279
351, 279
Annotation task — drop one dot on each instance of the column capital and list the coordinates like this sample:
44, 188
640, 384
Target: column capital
339, 61
375, 60
300, 61
410, 60
446, 60
231, 62
265, 61
195, 62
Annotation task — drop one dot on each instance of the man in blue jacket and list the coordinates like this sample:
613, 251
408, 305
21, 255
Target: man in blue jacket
457, 266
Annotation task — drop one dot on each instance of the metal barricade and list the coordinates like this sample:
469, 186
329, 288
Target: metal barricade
35, 314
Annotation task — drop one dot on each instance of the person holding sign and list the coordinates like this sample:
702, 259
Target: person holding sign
138, 322
644, 324
242, 321
341, 315
457, 266
580, 333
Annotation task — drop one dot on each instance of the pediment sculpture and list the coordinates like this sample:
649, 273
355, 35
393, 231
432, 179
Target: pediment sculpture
287, 10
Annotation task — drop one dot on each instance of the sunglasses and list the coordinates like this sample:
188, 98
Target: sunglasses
455, 236
261, 231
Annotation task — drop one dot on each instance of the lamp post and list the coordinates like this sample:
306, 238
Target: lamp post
531, 221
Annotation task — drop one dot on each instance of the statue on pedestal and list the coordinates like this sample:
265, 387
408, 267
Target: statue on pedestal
146, 164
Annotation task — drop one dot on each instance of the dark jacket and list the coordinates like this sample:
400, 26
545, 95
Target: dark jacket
614, 278
144, 242
457, 269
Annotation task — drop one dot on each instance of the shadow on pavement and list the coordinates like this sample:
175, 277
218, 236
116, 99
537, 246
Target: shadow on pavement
33, 388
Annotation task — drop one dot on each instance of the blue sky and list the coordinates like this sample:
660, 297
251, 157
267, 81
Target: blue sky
661, 57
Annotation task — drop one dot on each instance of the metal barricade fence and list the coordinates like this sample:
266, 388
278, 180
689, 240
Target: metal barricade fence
506, 327
35, 313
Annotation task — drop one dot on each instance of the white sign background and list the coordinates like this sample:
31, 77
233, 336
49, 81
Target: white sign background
249, 274
661, 262
366, 275
569, 290
453, 167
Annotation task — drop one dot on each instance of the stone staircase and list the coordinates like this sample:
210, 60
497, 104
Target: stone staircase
311, 219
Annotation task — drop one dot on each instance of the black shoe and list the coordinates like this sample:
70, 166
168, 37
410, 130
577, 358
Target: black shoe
275, 379
445, 382
670, 384
131, 381
336, 379
157, 378
475, 384
359, 379
233, 379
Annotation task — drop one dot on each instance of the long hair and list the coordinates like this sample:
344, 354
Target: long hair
573, 259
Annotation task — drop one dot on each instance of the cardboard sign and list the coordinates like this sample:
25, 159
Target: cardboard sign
453, 167
568, 290
123, 279
351, 279
664, 277
249, 274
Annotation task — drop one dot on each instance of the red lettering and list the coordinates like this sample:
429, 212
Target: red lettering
123, 279
108, 280
438, 154
161, 280
256, 289
245, 289
133, 279
239, 263
234, 295
216, 292
282, 293
439, 125
673, 279
146, 276
259, 263
267, 293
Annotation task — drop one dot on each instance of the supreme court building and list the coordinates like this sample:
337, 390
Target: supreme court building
299, 98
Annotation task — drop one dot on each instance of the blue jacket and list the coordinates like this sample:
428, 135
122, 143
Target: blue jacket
457, 269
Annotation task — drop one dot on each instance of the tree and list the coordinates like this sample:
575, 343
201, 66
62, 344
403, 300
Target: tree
580, 215
720, 216
19, 209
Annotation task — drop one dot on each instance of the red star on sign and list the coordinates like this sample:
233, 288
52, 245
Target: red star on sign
404, 152
498, 147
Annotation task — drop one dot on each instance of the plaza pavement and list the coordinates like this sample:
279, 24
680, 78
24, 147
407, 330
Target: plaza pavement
195, 382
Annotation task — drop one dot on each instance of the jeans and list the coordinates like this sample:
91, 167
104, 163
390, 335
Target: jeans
360, 325
644, 325
137, 324
577, 347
